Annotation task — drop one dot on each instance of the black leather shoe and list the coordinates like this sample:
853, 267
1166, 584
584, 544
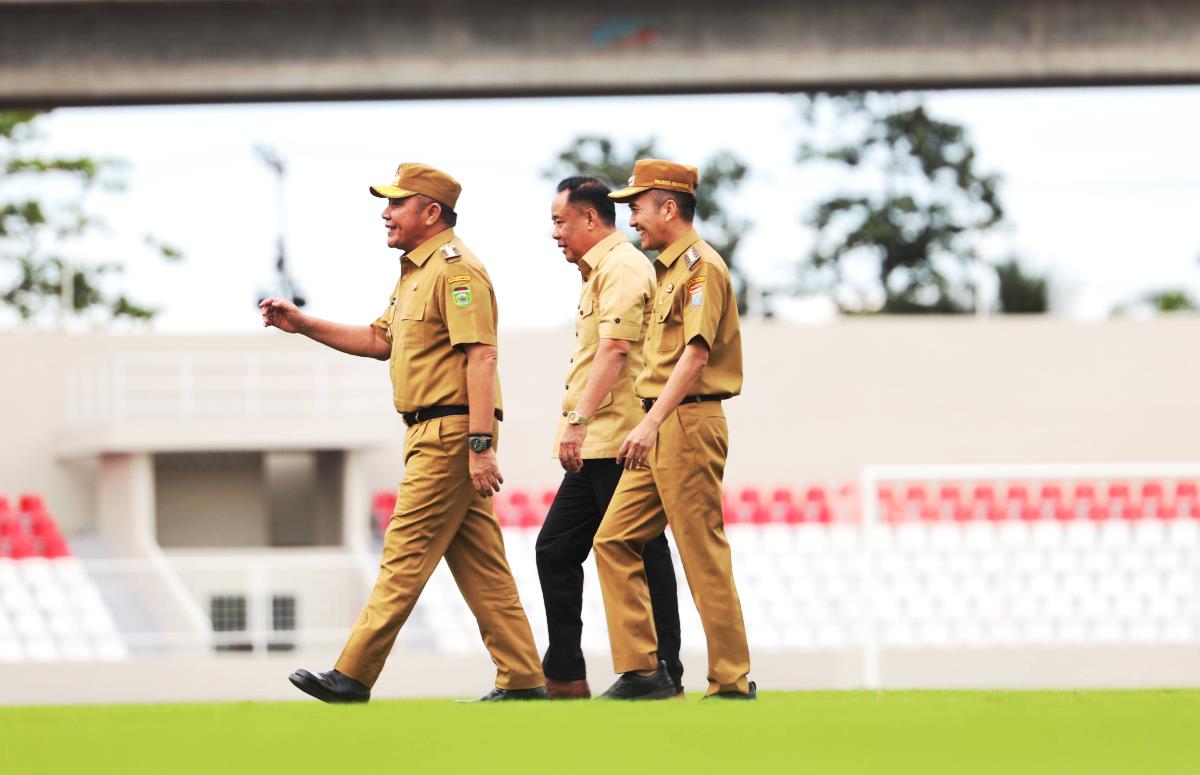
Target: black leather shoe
502, 695
330, 686
631, 686
750, 695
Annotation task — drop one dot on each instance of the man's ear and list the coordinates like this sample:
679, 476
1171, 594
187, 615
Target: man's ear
434, 213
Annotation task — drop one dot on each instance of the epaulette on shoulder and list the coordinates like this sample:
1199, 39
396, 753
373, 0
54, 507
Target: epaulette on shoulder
691, 256
450, 253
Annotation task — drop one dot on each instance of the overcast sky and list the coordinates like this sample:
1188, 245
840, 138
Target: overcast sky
1102, 188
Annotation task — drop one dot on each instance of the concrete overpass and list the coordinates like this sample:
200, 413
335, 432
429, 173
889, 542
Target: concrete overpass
153, 51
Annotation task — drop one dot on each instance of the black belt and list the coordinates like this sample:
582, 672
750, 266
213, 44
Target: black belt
434, 412
649, 402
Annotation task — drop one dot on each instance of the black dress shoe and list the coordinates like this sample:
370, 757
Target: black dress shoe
750, 695
502, 695
631, 686
330, 686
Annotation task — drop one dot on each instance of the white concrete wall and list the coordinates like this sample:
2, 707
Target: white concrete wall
819, 402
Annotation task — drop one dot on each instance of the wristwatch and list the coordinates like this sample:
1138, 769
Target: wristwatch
480, 443
575, 418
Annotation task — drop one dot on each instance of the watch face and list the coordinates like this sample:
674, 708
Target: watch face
479, 444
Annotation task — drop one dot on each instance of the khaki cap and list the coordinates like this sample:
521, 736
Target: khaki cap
657, 173
412, 178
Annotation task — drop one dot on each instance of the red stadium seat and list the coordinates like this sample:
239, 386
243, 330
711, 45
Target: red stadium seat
1129, 511
950, 493
793, 515
20, 547
9, 526
1030, 512
1118, 491
749, 495
759, 515
1017, 493
31, 503
984, 493
43, 525
529, 517
5, 508
1064, 512
815, 495
963, 513
55, 547
518, 498
548, 496
1152, 490
915, 493
782, 495
1085, 492
1051, 492
1098, 512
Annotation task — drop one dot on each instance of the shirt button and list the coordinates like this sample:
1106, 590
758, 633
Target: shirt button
618, 320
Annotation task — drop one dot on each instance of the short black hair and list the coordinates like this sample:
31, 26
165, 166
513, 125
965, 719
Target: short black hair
590, 192
448, 216
684, 201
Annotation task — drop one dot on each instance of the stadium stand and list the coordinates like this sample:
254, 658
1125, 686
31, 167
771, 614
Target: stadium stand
1005, 564
49, 607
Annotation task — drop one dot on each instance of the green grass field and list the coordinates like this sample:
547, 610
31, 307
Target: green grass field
819, 732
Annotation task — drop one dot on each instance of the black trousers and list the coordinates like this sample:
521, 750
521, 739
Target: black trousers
563, 546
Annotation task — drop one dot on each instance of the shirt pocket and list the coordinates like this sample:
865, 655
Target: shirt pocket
670, 325
586, 327
408, 327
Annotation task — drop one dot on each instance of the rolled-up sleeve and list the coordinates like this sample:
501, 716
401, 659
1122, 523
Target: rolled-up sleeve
622, 298
384, 321
706, 293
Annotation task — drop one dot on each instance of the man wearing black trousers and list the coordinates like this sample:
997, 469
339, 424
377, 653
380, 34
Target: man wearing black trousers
599, 411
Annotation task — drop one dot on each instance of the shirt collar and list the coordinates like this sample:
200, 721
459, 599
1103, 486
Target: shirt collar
591, 259
676, 248
420, 254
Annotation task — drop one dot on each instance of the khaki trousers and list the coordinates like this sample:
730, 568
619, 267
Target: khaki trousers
439, 514
681, 488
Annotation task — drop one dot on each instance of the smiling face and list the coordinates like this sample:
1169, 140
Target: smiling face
411, 221
574, 227
652, 216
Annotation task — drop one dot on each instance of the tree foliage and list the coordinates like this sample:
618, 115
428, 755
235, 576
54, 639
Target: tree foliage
43, 274
720, 177
906, 234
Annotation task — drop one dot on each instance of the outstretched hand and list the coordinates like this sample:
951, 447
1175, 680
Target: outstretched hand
282, 314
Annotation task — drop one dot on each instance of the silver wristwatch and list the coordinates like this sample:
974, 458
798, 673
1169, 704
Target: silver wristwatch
575, 418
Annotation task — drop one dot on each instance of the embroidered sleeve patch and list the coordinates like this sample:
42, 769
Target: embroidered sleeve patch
461, 296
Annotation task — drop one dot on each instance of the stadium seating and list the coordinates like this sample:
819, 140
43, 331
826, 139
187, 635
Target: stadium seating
50, 609
952, 565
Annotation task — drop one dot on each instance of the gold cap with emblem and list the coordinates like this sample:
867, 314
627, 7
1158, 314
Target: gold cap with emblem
412, 178
657, 173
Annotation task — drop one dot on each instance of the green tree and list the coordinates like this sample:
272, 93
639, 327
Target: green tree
42, 218
906, 234
720, 177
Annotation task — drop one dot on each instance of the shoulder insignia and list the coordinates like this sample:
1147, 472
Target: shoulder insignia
450, 253
670, 287
462, 278
691, 256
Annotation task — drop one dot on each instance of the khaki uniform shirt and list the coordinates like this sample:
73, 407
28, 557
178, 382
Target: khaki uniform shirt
614, 303
694, 299
444, 298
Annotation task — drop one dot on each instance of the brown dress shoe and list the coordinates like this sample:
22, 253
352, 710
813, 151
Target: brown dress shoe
568, 690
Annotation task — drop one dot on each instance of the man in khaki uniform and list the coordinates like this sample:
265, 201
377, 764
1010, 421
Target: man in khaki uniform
439, 332
599, 409
675, 457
